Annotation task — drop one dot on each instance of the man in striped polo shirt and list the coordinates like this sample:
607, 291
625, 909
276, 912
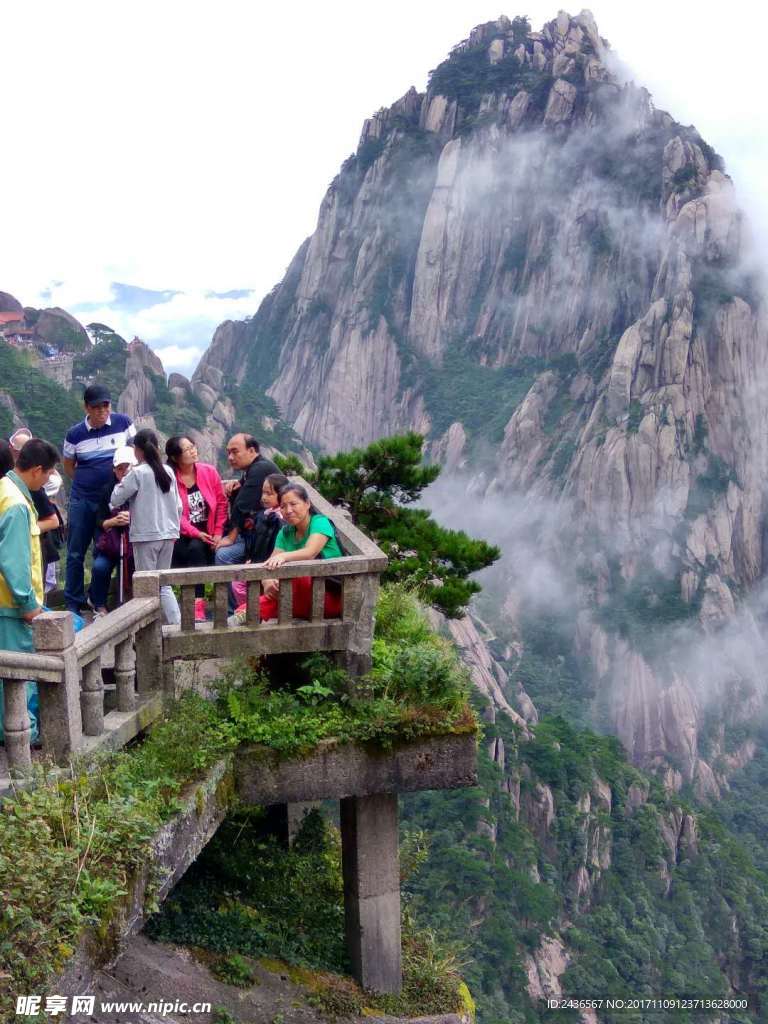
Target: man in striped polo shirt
87, 457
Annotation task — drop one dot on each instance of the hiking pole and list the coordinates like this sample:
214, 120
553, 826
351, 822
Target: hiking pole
120, 570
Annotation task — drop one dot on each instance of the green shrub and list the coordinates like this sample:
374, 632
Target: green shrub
635, 417
233, 970
598, 359
684, 176
368, 153
700, 433
709, 485
247, 895
562, 459
417, 687
467, 75
641, 608
521, 29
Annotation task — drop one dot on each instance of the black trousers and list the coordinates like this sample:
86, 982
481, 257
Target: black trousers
192, 553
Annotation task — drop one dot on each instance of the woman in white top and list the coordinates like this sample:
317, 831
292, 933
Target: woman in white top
155, 507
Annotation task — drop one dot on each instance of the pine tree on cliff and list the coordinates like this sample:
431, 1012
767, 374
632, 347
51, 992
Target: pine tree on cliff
377, 484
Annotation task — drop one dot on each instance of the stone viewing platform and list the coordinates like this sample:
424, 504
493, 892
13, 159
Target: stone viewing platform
149, 658
152, 665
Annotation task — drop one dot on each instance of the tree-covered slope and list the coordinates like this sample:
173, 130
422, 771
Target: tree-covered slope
569, 874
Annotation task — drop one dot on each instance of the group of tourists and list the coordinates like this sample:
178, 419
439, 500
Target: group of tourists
136, 512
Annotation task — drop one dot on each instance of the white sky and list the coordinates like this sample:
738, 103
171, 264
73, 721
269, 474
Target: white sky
187, 145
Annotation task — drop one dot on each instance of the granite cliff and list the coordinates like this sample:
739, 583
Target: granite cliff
551, 279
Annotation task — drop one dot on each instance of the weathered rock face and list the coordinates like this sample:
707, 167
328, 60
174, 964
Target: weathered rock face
470, 637
9, 304
530, 258
544, 969
138, 398
226, 354
59, 328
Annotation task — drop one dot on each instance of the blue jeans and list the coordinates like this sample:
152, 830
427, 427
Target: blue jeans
233, 554
81, 527
101, 575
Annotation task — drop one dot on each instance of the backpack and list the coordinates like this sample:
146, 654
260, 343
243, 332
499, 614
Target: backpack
260, 532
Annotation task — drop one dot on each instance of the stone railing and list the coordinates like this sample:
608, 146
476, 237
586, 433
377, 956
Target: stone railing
69, 669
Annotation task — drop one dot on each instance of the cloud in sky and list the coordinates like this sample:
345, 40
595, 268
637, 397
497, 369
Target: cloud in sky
186, 150
177, 325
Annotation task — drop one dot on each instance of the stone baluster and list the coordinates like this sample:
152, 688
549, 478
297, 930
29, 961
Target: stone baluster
285, 602
253, 608
187, 608
359, 605
220, 605
16, 728
92, 699
318, 598
61, 724
125, 675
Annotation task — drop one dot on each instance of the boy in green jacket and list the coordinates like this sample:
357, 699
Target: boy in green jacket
21, 572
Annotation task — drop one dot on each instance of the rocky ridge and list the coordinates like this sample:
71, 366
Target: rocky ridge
550, 278
74, 355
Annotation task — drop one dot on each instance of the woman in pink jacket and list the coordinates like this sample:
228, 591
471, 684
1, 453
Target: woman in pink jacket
203, 514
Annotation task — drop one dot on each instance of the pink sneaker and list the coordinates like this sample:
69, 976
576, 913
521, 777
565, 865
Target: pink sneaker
200, 609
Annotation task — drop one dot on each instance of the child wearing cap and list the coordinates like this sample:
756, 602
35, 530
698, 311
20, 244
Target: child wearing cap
111, 544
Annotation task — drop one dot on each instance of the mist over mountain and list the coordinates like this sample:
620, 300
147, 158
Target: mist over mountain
551, 279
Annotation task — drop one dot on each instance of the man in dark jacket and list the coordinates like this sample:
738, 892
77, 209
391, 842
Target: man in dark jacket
243, 455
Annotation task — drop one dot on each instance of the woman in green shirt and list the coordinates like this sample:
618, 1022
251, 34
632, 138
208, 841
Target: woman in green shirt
306, 535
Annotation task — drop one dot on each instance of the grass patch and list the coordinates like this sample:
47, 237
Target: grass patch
417, 688
68, 848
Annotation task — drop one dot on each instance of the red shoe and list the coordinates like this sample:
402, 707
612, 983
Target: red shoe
200, 609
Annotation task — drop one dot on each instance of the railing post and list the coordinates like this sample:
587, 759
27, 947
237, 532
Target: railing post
253, 606
125, 675
187, 608
360, 596
16, 727
220, 605
61, 726
285, 602
149, 640
92, 699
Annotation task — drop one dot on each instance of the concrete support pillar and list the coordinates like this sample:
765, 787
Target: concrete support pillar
371, 867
